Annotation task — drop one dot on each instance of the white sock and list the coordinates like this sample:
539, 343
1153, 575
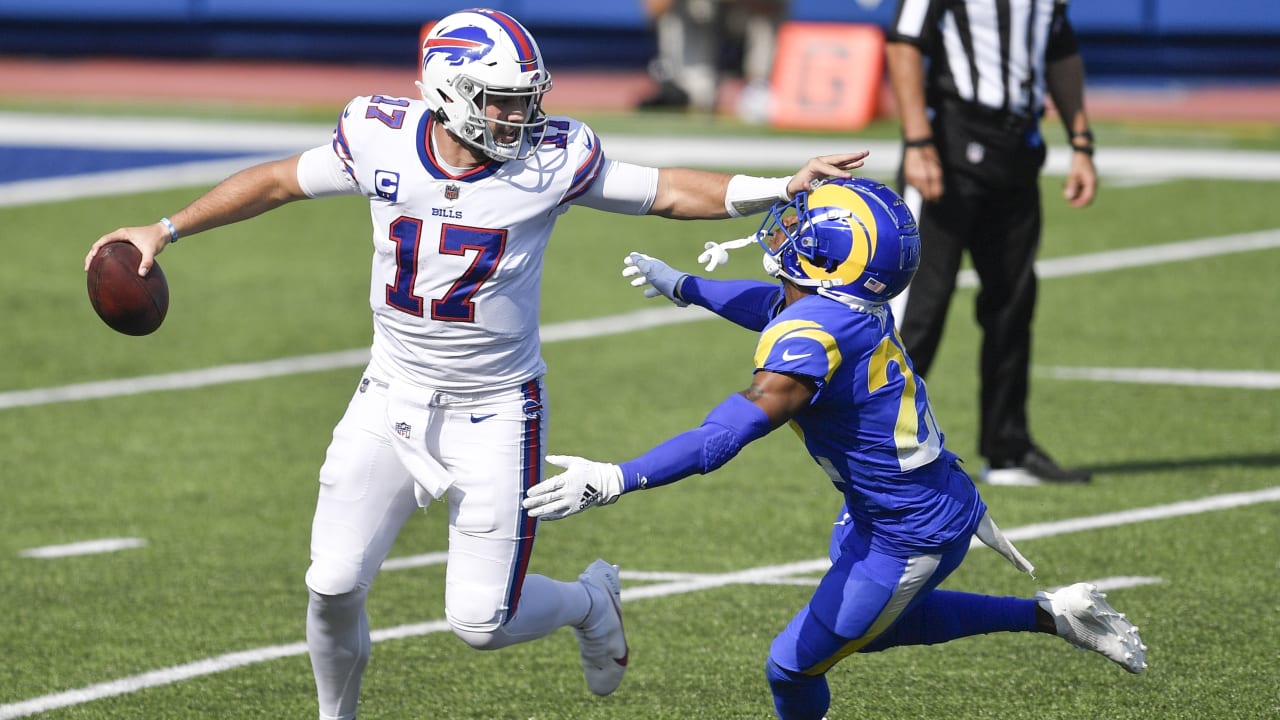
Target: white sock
547, 605
339, 644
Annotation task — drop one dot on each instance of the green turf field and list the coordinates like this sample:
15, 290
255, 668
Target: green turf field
205, 620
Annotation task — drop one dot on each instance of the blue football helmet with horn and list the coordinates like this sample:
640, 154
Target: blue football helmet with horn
851, 238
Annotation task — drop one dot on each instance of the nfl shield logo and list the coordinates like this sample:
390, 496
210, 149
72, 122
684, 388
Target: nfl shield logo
975, 152
451, 191
402, 429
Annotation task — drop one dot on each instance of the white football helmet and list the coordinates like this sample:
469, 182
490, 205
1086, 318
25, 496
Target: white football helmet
478, 57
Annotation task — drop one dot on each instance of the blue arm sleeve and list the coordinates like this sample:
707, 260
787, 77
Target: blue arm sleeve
749, 303
730, 426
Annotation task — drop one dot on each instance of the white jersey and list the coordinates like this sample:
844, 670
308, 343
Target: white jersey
457, 262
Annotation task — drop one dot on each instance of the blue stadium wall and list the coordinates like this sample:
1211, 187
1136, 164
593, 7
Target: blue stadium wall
1237, 39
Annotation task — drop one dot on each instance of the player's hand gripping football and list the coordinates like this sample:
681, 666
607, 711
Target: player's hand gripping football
149, 239
661, 278
584, 484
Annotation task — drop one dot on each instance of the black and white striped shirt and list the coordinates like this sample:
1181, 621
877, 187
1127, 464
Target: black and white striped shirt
989, 52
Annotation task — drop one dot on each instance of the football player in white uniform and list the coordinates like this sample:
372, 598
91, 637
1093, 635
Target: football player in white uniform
465, 185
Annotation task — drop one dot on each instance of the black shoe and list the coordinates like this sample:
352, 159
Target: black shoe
1035, 467
669, 97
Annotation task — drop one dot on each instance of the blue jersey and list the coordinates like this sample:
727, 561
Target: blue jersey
870, 426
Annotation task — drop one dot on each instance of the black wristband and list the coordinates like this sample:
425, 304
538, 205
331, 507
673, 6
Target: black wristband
1087, 135
1085, 149
918, 143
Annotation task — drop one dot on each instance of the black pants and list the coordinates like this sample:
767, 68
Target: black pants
1000, 228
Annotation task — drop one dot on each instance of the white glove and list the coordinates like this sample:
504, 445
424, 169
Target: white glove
661, 278
584, 484
717, 254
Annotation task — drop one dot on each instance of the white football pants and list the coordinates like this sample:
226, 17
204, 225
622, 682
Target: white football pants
398, 448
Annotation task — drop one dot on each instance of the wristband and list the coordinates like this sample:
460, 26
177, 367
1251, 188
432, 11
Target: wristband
925, 141
1086, 134
748, 195
173, 231
1083, 149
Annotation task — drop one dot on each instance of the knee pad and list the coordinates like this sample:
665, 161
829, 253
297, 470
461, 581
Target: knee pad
797, 696
485, 636
475, 616
337, 560
329, 577
775, 673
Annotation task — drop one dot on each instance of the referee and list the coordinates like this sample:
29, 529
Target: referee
971, 79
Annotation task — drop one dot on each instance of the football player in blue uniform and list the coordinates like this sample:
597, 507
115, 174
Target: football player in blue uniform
830, 363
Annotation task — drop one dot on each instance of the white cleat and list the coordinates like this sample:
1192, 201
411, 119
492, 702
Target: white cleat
601, 637
1084, 618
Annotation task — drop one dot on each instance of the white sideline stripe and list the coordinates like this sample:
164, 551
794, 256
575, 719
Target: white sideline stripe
115, 132
691, 583
86, 547
1145, 165
596, 327
1248, 379
141, 133
122, 182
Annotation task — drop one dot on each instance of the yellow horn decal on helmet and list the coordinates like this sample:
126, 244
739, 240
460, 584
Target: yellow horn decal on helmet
863, 228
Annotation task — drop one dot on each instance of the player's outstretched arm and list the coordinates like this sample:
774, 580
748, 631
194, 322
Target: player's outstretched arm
689, 194
771, 401
245, 194
749, 303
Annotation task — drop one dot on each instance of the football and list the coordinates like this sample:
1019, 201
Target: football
127, 303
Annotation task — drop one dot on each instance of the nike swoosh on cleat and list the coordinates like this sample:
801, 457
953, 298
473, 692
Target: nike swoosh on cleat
481, 418
626, 656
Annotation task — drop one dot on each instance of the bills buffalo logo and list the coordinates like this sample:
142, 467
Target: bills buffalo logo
532, 409
464, 45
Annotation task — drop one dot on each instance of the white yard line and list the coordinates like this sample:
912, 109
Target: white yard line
85, 547
299, 364
668, 585
1143, 256
1243, 379
656, 317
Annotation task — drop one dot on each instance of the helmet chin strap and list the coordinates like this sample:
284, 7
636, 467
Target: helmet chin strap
852, 302
771, 265
773, 268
